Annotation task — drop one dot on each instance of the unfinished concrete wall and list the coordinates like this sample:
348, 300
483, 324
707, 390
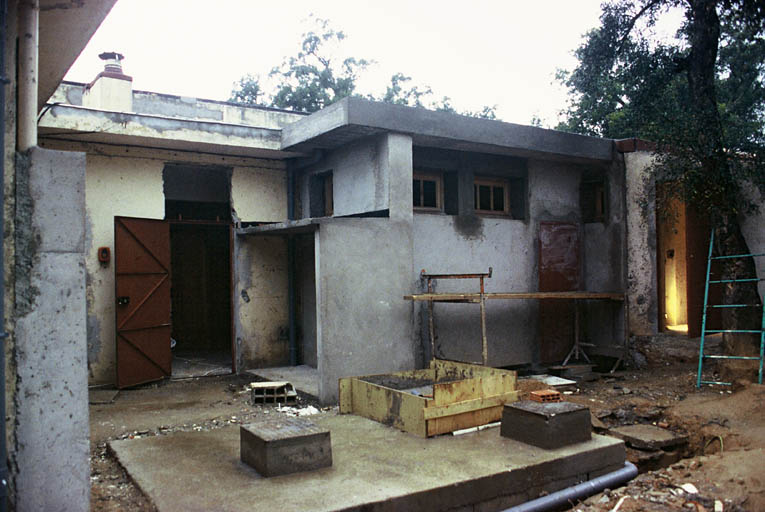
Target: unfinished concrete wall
128, 187
753, 228
260, 301
50, 454
363, 271
642, 293
360, 181
305, 279
259, 194
442, 245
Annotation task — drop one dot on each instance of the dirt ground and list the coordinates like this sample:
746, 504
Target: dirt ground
722, 460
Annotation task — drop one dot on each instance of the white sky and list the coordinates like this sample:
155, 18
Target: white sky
484, 52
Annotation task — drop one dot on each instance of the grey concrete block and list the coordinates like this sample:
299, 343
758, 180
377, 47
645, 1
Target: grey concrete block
648, 437
56, 186
280, 445
546, 425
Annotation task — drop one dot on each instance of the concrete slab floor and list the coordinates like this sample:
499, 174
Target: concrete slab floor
375, 468
305, 378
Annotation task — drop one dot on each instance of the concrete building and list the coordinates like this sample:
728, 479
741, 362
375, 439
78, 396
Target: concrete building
261, 237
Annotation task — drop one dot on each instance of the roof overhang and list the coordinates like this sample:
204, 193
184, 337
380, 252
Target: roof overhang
66, 26
354, 118
81, 124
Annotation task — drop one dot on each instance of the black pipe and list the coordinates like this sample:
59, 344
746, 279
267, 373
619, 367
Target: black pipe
577, 492
3, 335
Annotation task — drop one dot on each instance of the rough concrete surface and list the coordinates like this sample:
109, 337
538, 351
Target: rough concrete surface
375, 466
50, 458
648, 437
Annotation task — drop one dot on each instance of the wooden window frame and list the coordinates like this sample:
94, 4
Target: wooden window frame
594, 200
492, 182
438, 179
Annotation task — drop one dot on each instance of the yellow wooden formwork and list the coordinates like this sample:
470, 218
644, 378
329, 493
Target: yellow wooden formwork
464, 396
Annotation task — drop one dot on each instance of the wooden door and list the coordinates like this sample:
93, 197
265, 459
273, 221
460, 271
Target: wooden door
559, 266
142, 293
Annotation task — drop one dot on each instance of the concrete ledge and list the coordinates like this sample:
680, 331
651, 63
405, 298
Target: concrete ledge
375, 468
355, 118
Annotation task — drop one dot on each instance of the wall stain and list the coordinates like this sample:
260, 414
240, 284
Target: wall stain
469, 226
28, 239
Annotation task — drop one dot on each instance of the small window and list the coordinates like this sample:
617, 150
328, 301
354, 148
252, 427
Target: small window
491, 196
426, 191
594, 200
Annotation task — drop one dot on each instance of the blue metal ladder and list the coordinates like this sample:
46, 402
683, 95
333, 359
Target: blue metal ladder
707, 306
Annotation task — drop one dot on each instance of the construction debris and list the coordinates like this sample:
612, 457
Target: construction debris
545, 395
272, 393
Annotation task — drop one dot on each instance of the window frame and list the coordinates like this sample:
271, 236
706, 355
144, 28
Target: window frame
438, 179
594, 189
492, 182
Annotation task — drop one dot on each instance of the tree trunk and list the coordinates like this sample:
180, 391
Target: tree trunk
720, 183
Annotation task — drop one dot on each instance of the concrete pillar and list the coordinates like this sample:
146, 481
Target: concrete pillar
396, 163
51, 456
642, 293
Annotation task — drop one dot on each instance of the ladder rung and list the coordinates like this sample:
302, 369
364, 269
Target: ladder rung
745, 358
733, 305
757, 331
737, 256
747, 280
715, 382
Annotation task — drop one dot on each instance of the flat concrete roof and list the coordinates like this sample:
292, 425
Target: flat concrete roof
375, 467
81, 124
354, 118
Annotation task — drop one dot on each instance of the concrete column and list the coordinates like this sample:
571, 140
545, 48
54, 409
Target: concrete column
641, 244
396, 163
51, 470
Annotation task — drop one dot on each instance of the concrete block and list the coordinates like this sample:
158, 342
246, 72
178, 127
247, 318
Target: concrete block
546, 425
280, 445
648, 437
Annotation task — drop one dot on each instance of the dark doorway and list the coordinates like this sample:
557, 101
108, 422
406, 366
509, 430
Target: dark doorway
197, 205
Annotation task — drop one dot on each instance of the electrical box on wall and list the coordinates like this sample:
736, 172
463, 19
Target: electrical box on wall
104, 255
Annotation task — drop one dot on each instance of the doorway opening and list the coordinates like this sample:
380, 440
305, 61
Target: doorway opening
197, 206
682, 246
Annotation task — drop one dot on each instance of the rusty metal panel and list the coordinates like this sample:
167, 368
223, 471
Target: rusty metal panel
559, 271
142, 294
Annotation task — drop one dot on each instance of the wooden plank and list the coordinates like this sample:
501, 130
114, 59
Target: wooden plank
447, 424
456, 370
470, 405
476, 297
345, 395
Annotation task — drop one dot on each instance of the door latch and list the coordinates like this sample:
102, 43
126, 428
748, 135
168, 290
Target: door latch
123, 301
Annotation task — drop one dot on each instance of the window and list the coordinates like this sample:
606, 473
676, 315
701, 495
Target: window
427, 191
594, 200
491, 196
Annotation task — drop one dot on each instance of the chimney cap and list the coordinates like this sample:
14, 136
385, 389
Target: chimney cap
111, 56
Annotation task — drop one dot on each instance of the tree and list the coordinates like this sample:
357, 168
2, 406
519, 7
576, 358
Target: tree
700, 97
312, 79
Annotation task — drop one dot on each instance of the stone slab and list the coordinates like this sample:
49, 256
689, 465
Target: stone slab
375, 468
279, 445
548, 425
648, 437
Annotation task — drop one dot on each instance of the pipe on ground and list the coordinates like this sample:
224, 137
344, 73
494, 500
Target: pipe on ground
580, 491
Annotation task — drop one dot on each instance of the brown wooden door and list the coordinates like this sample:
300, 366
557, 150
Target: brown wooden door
559, 265
142, 292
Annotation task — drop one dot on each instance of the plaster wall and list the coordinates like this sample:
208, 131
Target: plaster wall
49, 459
259, 195
642, 293
129, 187
261, 302
360, 183
110, 94
363, 270
506, 245
753, 229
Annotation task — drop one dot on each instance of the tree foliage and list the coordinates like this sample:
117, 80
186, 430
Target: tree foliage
313, 79
700, 97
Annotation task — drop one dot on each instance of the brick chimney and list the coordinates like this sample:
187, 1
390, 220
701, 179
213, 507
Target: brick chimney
111, 89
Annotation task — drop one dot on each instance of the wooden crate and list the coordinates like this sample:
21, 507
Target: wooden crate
446, 397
